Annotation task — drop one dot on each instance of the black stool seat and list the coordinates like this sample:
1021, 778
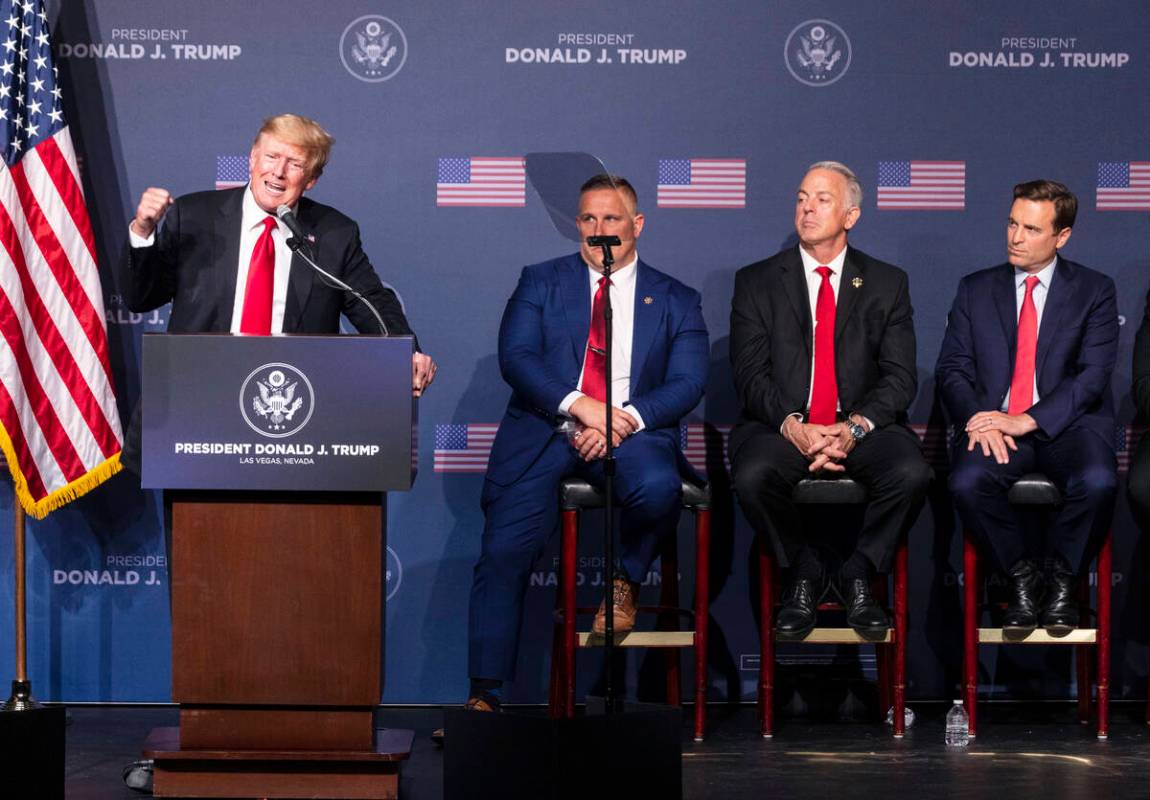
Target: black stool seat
1034, 489
829, 491
576, 494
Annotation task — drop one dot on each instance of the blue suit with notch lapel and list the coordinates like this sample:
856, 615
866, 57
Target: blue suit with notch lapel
1074, 444
542, 340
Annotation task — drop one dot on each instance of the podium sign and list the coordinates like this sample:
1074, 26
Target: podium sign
282, 413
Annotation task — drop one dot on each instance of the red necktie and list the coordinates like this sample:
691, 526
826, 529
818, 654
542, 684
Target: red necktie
595, 365
1022, 386
825, 391
257, 314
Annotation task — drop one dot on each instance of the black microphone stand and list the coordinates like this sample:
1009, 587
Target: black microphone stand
612, 702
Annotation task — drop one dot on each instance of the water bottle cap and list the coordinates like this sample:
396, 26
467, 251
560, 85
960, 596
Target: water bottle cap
958, 702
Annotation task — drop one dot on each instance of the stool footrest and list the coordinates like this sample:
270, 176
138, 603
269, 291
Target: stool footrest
837, 636
1039, 636
640, 639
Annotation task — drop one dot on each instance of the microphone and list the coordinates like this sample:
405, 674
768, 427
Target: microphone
592, 241
286, 216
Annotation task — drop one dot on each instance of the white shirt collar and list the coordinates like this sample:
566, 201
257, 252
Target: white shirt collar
1044, 274
624, 275
252, 215
836, 263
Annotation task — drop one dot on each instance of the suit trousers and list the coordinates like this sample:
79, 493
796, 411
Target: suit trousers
888, 463
521, 517
1079, 462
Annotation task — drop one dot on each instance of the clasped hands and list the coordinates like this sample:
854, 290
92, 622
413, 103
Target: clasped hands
995, 432
825, 446
591, 439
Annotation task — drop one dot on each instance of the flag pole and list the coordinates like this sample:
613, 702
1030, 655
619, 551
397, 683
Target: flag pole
21, 698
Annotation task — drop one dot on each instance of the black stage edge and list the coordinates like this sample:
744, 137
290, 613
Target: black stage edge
32, 752
635, 753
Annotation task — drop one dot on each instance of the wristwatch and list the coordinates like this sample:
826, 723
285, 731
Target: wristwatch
858, 432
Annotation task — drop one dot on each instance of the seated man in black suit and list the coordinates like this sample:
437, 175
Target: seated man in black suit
823, 351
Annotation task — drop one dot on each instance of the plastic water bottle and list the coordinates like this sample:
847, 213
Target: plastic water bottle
957, 726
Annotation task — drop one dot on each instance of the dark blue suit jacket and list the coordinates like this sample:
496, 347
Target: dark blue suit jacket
543, 338
1077, 349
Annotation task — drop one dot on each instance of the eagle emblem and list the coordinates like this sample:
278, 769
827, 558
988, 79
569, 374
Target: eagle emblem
277, 402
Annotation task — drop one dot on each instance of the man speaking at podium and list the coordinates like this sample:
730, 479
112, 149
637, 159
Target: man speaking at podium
223, 261
551, 353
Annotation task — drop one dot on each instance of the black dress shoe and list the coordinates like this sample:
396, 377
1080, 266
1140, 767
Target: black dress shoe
864, 614
1021, 615
799, 605
1060, 615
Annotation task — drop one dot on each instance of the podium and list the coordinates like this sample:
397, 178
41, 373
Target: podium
275, 454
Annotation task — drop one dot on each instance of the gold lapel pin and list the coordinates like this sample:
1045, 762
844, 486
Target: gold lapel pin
648, 300
857, 283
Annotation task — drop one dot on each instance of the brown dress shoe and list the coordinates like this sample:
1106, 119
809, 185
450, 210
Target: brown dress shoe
472, 704
626, 600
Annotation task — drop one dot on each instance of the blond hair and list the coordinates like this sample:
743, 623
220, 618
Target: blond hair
304, 133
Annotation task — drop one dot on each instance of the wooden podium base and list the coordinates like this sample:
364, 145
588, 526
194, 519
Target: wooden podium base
341, 774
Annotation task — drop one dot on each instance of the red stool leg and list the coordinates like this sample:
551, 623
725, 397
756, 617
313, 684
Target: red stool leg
668, 615
766, 639
702, 615
1082, 655
568, 546
1104, 586
900, 612
970, 631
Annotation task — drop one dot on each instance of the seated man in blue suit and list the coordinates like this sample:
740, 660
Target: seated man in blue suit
549, 354
1024, 373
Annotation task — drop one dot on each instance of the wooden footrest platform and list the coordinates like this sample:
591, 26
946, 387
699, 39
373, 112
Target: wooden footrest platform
640, 639
1038, 636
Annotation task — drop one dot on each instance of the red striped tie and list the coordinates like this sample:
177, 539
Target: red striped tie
595, 364
1022, 385
825, 391
257, 314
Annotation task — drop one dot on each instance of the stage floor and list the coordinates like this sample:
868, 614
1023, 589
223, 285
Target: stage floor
1021, 751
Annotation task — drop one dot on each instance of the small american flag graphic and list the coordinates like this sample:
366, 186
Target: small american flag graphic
1126, 438
481, 181
705, 446
463, 447
231, 171
922, 185
702, 183
1123, 186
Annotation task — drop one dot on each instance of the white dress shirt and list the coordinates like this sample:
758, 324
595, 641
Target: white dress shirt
251, 227
1041, 290
623, 328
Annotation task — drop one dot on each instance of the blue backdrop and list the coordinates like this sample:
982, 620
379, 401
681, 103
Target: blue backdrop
169, 93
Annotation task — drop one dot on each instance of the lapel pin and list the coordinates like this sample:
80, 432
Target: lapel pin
311, 238
648, 300
857, 283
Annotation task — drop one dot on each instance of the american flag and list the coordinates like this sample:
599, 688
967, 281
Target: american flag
705, 446
478, 181
702, 183
231, 172
59, 427
1126, 438
461, 447
1123, 186
922, 185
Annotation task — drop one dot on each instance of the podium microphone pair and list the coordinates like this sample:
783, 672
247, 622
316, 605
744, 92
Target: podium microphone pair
298, 237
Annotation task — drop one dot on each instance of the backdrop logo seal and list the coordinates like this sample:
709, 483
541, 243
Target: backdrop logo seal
817, 52
373, 48
277, 400
394, 574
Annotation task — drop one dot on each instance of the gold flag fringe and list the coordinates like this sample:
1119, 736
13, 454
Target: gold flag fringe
38, 509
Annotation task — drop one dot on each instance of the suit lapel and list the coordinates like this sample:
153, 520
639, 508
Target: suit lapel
226, 254
300, 277
1006, 301
848, 294
648, 285
795, 284
1061, 290
576, 288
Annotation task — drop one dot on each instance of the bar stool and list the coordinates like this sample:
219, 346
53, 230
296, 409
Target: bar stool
1036, 490
890, 652
577, 495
